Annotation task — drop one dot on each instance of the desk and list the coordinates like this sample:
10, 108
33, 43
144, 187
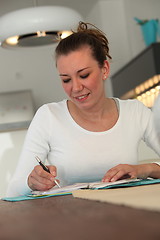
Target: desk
68, 218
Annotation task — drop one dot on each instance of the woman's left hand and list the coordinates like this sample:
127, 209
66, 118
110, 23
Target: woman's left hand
122, 171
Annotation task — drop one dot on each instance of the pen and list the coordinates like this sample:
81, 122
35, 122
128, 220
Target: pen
46, 169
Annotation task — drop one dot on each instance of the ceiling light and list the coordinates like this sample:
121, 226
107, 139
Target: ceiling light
37, 26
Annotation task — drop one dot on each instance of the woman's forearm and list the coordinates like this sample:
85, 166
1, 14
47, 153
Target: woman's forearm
149, 170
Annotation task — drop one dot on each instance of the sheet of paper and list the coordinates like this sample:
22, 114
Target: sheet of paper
98, 185
68, 188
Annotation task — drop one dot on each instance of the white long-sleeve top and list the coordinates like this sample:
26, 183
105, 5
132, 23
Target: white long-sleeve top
81, 155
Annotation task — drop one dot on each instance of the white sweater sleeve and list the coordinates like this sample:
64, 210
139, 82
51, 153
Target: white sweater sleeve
36, 144
151, 135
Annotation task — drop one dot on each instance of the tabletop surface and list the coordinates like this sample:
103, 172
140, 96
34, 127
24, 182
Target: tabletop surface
65, 217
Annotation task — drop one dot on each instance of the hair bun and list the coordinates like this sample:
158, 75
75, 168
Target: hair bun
92, 30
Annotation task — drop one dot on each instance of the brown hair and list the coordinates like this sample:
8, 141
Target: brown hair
86, 34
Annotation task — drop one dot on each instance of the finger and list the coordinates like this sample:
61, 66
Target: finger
34, 178
123, 171
109, 175
118, 175
123, 174
36, 185
42, 176
40, 172
53, 170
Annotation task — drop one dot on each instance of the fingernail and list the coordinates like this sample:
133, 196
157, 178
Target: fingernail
52, 179
53, 173
105, 180
113, 180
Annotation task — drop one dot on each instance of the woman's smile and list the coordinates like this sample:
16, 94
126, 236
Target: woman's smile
82, 97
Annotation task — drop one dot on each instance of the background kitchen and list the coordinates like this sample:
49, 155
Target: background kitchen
28, 76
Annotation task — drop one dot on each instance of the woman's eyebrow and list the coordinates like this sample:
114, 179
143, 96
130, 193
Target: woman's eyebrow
63, 74
82, 69
66, 75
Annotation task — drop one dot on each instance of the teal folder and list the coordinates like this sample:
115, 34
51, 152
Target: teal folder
130, 184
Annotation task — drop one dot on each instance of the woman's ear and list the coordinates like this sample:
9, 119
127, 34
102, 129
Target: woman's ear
106, 70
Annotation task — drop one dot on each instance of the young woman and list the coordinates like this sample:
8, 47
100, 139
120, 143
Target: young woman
87, 137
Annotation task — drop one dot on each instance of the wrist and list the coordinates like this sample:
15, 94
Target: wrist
149, 170
155, 170
144, 170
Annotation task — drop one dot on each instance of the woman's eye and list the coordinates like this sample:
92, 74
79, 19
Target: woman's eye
85, 76
66, 80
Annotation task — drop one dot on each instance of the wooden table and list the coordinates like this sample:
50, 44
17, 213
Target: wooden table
68, 218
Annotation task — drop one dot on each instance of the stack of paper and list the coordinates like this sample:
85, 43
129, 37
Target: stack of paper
76, 186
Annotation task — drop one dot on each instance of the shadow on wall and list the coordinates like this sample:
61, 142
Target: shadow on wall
11, 144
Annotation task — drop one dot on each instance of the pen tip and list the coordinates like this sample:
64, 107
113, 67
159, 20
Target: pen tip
37, 158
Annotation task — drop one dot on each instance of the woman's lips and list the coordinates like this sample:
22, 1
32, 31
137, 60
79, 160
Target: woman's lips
82, 97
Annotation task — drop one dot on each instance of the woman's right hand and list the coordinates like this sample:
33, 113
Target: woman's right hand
41, 180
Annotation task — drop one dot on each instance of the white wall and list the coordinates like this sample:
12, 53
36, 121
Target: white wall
110, 17
11, 144
142, 9
31, 69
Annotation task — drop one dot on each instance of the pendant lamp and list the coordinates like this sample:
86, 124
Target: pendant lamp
37, 26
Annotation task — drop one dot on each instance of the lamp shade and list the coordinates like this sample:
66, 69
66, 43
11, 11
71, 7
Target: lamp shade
36, 26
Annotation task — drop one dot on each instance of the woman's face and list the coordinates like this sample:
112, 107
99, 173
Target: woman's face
82, 77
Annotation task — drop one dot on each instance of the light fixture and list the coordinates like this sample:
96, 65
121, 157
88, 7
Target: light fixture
140, 78
37, 26
148, 91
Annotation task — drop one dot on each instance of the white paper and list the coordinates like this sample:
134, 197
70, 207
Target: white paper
76, 186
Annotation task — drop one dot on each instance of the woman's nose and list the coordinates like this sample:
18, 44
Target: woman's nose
77, 85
